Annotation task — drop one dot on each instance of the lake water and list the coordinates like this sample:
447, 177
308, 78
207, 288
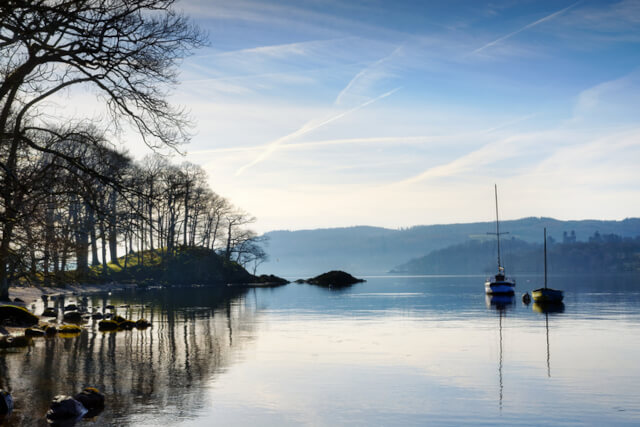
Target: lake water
391, 351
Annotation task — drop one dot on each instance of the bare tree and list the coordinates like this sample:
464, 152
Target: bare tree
127, 50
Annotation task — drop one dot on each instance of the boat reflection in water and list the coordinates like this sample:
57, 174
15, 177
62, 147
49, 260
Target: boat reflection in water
501, 303
546, 308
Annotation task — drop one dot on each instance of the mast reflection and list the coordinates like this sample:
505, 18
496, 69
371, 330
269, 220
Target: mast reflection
500, 303
546, 308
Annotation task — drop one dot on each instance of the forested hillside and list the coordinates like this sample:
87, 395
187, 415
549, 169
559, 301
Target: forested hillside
373, 250
600, 254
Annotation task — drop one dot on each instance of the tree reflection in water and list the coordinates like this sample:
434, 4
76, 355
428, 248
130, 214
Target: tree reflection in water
164, 368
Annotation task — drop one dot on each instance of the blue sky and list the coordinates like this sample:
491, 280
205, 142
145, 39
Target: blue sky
396, 113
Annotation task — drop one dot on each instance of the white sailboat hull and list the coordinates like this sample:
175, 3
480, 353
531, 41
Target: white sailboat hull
499, 288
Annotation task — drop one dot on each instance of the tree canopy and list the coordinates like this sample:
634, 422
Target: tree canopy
67, 196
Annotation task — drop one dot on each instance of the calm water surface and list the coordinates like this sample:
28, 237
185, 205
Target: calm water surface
391, 351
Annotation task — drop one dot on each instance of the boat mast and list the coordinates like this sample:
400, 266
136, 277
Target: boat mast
545, 257
497, 225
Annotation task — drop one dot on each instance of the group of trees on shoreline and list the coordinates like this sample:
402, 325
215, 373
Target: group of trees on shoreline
74, 220
67, 196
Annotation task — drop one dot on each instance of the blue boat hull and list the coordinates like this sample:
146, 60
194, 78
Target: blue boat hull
504, 287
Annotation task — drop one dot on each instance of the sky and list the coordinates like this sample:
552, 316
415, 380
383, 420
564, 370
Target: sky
326, 113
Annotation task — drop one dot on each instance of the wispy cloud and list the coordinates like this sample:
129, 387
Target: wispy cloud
492, 152
369, 141
526, 27
310, 145
308, 127
370, 73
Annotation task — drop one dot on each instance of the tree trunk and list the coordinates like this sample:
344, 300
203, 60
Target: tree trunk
113, 234
81, 237
91, 224
7, 232
186, 213
103, 239
228, 251
150, 204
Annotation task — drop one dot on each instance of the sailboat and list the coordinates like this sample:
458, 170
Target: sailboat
546, 294
499, 284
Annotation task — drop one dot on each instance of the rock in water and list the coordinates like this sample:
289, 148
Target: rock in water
127, 325
6, 403
33, 332
73, 317
107, 325
143, 324
92, 399
119, 319
65, 409
70, 329
334, 279
50, 312
15, 342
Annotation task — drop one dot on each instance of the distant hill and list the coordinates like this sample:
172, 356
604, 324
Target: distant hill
601, 254
373, 250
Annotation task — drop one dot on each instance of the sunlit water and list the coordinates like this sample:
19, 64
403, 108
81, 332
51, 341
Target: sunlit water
391, 351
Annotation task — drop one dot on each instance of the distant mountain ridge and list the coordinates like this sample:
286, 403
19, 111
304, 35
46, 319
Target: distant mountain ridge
363, 250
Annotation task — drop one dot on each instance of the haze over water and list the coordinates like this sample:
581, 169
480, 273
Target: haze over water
391, 351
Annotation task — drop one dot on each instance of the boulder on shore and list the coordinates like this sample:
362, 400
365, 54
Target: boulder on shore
13, 315
334, 279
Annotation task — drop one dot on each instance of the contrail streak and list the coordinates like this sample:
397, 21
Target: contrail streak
308, 127
363, 73
526, 27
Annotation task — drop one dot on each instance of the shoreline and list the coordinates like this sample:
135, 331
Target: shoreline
31, 294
